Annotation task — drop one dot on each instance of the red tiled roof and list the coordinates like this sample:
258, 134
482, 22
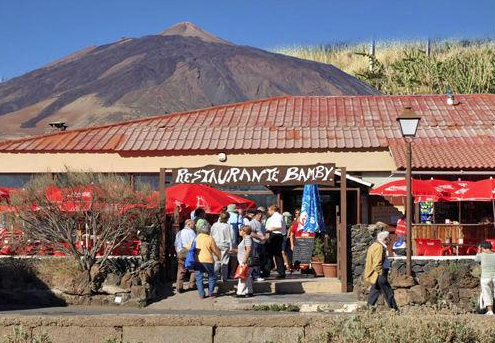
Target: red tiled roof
297, 123
447, 153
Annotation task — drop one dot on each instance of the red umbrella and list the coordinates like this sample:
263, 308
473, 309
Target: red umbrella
483, 190
420, 189
192, 196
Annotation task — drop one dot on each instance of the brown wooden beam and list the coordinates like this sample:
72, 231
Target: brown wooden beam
343, 254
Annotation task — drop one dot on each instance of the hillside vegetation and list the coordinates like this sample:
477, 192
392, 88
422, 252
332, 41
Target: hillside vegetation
406, 68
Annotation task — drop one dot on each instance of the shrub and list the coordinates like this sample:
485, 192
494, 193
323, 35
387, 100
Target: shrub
406, 68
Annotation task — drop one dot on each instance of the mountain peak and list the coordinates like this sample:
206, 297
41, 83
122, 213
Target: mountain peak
187, 29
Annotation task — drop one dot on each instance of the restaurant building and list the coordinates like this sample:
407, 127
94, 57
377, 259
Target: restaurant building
455, 139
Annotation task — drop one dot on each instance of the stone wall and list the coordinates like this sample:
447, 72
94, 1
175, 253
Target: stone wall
437, 280
55, 281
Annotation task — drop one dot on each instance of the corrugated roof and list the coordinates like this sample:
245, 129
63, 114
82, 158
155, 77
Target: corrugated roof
446, 132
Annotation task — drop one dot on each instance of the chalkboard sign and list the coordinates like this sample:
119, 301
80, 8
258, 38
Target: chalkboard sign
303, 250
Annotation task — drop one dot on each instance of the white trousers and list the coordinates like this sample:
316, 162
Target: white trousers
246, 286
487, 286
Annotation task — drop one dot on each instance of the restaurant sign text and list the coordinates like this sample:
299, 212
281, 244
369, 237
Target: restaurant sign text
271, 176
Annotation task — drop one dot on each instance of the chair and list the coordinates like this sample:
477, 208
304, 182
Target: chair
420, 246
469, 250
433, 247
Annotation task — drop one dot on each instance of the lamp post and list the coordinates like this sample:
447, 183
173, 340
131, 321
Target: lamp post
408, 121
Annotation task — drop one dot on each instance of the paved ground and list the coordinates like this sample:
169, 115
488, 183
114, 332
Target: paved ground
189, 303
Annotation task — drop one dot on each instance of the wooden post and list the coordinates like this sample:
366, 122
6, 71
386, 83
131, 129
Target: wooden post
342, 246
163, 236
358, 206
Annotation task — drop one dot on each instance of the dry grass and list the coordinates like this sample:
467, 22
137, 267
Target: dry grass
421, 327
404, 68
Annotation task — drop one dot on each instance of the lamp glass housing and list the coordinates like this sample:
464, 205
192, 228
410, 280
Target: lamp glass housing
408, 122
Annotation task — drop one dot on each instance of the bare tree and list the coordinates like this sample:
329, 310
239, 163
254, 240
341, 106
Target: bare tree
84, 215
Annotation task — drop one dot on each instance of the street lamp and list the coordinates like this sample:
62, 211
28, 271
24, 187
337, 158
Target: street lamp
409, 122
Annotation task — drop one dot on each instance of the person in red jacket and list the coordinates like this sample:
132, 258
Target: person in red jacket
401, 228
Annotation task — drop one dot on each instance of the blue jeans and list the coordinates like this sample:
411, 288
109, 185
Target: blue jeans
212, 278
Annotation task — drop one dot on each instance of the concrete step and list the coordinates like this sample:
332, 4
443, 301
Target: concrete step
311, 285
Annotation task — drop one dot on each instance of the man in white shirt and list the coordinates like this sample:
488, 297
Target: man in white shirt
276, 230
182, 239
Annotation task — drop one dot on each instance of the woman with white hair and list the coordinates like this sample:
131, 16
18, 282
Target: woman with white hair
206, 248
376, 271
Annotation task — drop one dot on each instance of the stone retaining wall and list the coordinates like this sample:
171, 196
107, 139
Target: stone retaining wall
436, 280
56, 281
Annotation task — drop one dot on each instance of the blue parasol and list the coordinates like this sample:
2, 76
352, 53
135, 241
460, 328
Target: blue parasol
311, 213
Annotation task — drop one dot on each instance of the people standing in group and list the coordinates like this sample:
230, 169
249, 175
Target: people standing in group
224, 236
487, 280
182, 239
206, 250
276, 229
258, 233
200, 219
244, 255
235, 220
376, 271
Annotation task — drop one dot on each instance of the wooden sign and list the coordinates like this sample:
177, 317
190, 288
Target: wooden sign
322, 174
303, 250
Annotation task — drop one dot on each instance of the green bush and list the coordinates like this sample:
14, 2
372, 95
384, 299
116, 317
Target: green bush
406, 68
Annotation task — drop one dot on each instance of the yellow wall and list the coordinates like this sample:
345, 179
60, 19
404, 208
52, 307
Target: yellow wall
112, 162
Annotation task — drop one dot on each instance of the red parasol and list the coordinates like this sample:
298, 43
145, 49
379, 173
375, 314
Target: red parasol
483, 190
189, 197
420, 189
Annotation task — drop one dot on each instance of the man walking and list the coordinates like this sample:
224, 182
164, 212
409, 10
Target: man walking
376, 271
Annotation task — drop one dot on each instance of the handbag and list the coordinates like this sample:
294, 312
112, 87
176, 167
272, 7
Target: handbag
253, 261
241, 272
190, 263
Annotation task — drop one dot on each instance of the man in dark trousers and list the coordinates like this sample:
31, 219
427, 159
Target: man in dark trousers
376, 271
276, 229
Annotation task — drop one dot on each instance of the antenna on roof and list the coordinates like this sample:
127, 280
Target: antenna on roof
450, 97
60, 125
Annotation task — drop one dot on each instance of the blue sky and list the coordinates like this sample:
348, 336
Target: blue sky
35, 32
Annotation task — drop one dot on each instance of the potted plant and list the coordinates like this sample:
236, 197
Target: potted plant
318, 257
330, 265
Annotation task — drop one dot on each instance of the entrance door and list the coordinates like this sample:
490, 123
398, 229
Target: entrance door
330, 199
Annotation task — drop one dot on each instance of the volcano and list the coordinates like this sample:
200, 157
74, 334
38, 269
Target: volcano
181, 68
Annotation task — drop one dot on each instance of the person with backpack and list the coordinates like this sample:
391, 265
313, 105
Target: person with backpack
201, 254
182, 239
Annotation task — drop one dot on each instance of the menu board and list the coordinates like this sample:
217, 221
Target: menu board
303, 250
